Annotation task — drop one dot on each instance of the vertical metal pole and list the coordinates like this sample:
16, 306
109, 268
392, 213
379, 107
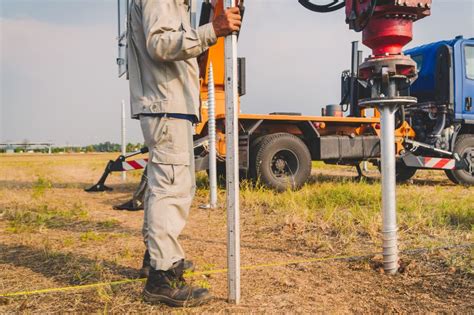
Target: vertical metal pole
354, 71
232, 165
211, 110
119, 25
354, 58
194, 13
389, 214
124, 144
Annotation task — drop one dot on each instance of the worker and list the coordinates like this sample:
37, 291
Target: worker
164, 88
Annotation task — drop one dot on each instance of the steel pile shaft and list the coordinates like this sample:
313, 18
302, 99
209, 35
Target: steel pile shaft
389, 213
211, 108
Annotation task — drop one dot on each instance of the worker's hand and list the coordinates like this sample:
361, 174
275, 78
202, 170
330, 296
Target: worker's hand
227, 22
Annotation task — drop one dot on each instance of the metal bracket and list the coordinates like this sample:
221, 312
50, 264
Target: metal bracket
113, 166
417, 144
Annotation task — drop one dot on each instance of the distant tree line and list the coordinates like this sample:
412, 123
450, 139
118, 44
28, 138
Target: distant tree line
112, 147
101, 147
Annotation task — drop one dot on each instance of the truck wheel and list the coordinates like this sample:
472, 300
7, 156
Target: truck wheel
281, 161
254, 146
403, 172
221, 174
465, 148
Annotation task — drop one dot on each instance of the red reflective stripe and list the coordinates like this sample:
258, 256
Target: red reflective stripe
135, 165
441, 163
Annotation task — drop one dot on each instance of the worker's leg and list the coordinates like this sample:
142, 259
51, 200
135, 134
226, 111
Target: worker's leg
146, 263
171, 184
171, 187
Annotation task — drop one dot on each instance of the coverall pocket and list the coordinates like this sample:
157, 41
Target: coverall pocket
173, 143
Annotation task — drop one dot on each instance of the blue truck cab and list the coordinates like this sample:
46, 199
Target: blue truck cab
446, 74
443, 118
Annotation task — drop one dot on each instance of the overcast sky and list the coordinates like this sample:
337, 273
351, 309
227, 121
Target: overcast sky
58, 73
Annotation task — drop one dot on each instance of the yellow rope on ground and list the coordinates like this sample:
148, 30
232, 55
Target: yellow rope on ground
191, 274
215, 271
71, 288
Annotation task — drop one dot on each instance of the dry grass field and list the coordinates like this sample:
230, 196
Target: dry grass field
53, 234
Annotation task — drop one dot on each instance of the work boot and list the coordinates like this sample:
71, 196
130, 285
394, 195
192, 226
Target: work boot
187, 265
170, 288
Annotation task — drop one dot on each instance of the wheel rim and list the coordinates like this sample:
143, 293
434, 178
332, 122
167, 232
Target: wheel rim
284, 164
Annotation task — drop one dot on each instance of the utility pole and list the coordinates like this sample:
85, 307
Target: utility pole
232, 164
124, 142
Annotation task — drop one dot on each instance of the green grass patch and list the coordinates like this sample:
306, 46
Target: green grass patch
42, 216
108, 224
40, 186
461, 261
338, 207
91, 236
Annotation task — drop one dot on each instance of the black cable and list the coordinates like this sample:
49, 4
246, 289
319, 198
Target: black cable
355, 23
330, 7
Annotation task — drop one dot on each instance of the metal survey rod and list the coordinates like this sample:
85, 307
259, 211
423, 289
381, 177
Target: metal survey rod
211, 110
232, 164
389, 205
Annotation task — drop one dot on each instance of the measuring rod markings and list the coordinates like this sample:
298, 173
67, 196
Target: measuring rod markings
232, 164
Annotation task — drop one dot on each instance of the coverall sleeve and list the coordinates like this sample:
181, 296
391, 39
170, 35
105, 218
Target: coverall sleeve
169, 36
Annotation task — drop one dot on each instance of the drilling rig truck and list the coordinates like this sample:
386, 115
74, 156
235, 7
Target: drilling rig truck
436, 132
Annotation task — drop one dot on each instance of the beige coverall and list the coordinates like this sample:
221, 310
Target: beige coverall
164, 78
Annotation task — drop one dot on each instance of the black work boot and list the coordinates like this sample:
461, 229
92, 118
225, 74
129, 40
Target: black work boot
170, 288
187, 265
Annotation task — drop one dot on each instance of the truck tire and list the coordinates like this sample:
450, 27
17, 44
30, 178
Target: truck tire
221, 174
253, 150
403, 172
281, 161
465, 148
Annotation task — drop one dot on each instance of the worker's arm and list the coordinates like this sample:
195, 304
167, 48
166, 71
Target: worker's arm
168, 38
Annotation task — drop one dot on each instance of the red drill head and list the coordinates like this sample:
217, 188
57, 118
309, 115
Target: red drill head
387, 24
